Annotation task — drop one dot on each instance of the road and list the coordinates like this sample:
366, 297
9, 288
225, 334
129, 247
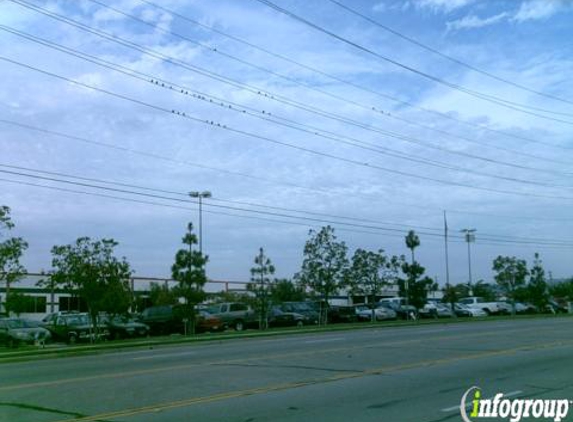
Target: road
381, 374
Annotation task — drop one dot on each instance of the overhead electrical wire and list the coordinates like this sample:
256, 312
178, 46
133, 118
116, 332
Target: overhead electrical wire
253, 177
262, 93
356, 85
285, 122
523, 108
339, 158
123, 190
446, 56
217, 50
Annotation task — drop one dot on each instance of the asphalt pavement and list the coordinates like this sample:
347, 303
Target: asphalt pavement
393, 374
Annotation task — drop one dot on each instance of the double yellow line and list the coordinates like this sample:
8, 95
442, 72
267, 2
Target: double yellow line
292, 385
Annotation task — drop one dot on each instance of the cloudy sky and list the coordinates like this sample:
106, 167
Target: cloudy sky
294, 114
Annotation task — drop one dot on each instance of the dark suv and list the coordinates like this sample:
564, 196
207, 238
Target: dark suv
165, 319
73, 327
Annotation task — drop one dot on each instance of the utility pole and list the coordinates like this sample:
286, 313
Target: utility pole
447, 257
200, 196
470, 237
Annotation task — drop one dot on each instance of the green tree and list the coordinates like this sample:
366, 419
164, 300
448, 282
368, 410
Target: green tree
510, 275
415, 286
324, 266
90, 270
18, 302
412, 242
562, 290
261, 286
161, 294
537, 289
484, 290
11, 251
189, 271
284, 290
370, 272
451, 295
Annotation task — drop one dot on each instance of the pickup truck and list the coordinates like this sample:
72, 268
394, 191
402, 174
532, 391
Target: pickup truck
490, 308
236, 315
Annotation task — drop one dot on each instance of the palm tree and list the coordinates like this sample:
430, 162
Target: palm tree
412, 242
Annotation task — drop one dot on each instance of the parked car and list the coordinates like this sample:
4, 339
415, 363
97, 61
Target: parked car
398, 305
307, 309
124, 326
491, 308
235, 315
381, 313
74, 327
557, 307
208, 323
162, 320
340, 313
462, 310
278, 318
14, 331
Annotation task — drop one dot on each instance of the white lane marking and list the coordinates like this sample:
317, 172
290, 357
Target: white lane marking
510, 394
165, 355
325, 340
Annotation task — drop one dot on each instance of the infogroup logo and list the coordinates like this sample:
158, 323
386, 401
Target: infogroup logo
513, 409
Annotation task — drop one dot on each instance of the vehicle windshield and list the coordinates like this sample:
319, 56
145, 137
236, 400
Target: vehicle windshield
77, 320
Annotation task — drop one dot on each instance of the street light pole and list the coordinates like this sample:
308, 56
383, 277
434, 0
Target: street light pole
469, 237
200, 196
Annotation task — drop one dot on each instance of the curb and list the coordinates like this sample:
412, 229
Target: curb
79, 350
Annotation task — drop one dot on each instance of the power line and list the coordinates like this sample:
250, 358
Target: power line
354, 84
261, 92
217, 50
122, 190
272, 118
246, 175
486, 97
217, 125
446, 56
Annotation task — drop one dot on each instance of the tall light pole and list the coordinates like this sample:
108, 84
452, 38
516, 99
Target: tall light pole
470, 237
200, 196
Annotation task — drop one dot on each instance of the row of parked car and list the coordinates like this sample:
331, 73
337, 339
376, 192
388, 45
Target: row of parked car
72, 327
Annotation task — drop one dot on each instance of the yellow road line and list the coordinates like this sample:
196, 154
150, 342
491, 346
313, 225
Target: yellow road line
292, 385
246, 359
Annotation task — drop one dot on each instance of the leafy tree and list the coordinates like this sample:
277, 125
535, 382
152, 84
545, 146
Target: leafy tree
90, 270
537, 289
11, 251
232, 296
484, 290
511, 273
370, 272
261, 287
161, 294
562, 290
324, 266
189, 271
415, 286
451, 295
18, 303
284, 290
412, 242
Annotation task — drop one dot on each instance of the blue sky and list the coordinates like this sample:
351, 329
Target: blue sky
365, 139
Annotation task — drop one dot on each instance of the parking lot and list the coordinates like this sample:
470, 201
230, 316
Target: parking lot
387, 373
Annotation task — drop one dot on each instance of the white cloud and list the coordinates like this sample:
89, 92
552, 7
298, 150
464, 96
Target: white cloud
540, 9
379, 7
473, 21
442, 6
